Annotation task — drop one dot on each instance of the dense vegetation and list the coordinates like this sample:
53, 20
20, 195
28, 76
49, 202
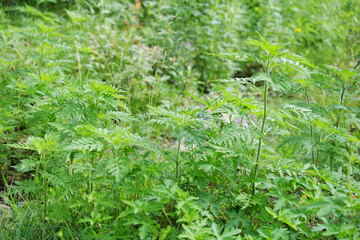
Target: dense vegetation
169, 119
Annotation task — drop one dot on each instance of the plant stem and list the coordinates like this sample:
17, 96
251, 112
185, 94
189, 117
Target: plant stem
92, 173
226, 184
260, 138
130, 83
311, 129
43, 162
317, 157
342, 93
167, 217
177, 159
350, 197
78, 61
152, 93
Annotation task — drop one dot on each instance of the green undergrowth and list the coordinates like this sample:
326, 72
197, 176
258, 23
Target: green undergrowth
177, 120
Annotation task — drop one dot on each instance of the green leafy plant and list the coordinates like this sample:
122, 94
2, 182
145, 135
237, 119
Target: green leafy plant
118, 122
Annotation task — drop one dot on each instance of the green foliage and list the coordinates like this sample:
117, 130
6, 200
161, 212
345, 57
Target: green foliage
177, 120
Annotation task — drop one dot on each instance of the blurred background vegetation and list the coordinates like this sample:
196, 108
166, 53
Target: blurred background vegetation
323, 31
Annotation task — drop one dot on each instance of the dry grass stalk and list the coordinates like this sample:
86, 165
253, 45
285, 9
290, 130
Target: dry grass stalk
17, 51
97, 45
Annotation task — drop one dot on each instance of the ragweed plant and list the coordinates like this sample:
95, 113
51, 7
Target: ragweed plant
115, 125
271, 57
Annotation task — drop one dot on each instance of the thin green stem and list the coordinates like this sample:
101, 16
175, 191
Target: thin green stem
43, 162
167, 217
177, 159
260, 138
78, 61
317, 157
350, 197
153, 95
311, 128
92, 173
342, 93
227, 185
128, 98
